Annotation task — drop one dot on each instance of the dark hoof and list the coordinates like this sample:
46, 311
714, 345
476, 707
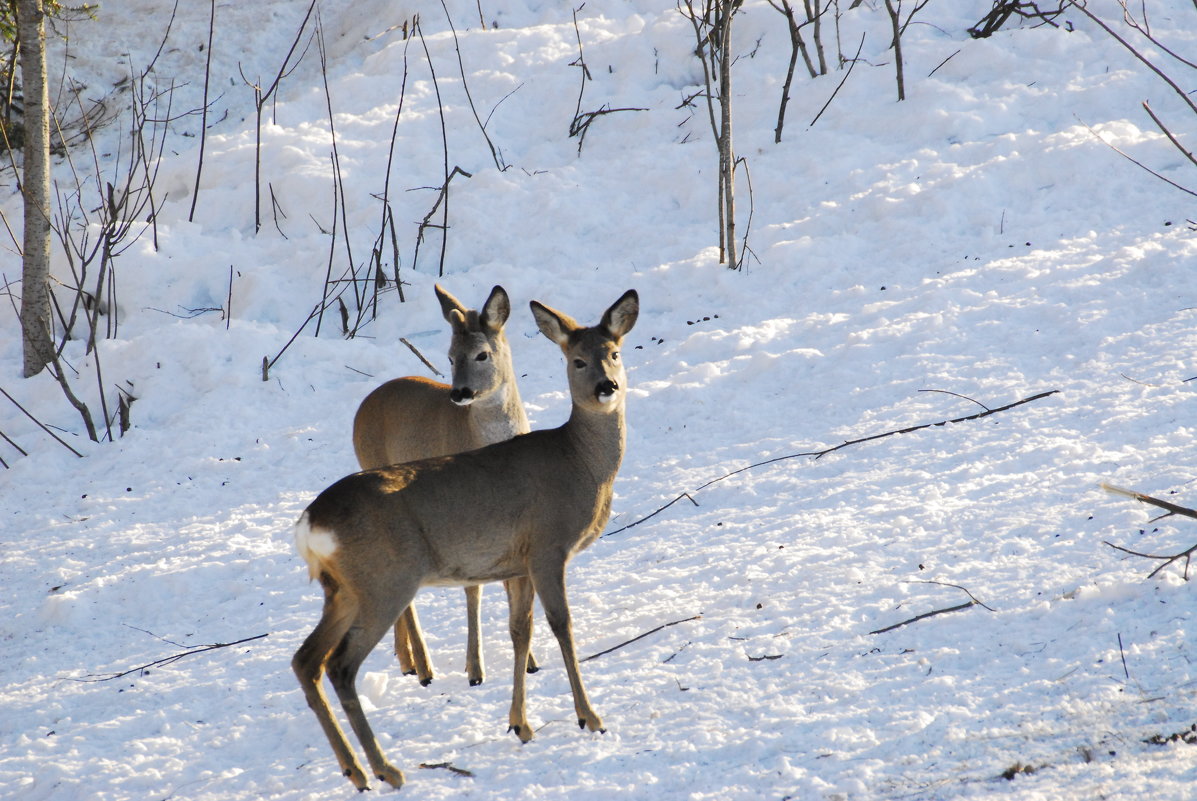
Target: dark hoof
581, 723
515, 729
425, 682
409, 673
475, 682
533, 668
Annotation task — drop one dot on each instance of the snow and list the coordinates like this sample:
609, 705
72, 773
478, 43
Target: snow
977, 244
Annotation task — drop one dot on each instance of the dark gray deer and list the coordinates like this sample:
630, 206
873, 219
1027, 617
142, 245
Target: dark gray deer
515, 511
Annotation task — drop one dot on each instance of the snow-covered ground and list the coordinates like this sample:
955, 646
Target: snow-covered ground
976, 244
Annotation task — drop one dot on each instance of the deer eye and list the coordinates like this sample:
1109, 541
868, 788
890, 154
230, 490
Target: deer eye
615, 356
481, 357
579, 363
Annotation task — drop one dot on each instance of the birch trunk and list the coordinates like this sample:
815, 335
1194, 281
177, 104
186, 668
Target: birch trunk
35, 188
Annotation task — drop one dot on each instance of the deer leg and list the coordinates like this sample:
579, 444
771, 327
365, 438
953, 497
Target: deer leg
410, 647
403, 646
372, 621
474, 669
308, 664
550, 586
519, 599
532, 666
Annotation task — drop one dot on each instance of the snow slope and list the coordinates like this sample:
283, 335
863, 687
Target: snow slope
976, 244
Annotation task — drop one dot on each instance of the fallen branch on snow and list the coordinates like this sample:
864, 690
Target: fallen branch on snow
449, 766
168, 660
1172, 509
820, 454
926, 615
973, 601
640, 637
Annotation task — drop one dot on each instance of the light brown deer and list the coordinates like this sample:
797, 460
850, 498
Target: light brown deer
515, 511
413, 418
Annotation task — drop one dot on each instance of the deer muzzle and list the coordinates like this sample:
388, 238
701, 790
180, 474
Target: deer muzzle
606, 391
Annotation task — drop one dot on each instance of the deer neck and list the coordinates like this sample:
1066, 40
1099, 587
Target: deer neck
598, 438
499, 416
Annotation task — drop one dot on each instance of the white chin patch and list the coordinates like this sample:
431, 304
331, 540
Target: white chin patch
463, 402
608, 398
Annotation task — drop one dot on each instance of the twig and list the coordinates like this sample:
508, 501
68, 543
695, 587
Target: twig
956, 587
1136, 162
444, 195
228, 316
1172, 509
1168, 133
1138, 496
940, 64
924, 616
442, 202
825, 451
640, 637
420, 356
449, 766
582, 120
466, 87
168, 660
973, 601
9, 440
387, 213
338, 177
840, 85
1080, 6
39, 423
957, 395
1122, 653
199, 167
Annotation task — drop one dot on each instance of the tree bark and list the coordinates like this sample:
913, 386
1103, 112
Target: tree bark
895, 18
727, 157
35, 189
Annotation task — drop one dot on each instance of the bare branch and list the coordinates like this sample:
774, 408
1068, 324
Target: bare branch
640, 637
168, 660
821, 453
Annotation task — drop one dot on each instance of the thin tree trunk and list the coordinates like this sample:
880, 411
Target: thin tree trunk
727, 159
895, 17
35, 188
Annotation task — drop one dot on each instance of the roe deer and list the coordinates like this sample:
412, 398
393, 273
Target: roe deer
515, 511
413, 418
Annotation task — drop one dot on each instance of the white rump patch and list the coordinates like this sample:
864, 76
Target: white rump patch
315, 544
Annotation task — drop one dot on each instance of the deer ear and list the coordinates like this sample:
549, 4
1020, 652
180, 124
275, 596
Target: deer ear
496, 310
553, 324
619, 319
458, 322
449, 304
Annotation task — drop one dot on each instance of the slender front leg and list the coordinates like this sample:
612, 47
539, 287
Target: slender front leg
474, 669
550, 586
519, 599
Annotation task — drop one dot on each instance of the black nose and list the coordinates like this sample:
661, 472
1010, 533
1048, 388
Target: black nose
605, 389
459, 395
